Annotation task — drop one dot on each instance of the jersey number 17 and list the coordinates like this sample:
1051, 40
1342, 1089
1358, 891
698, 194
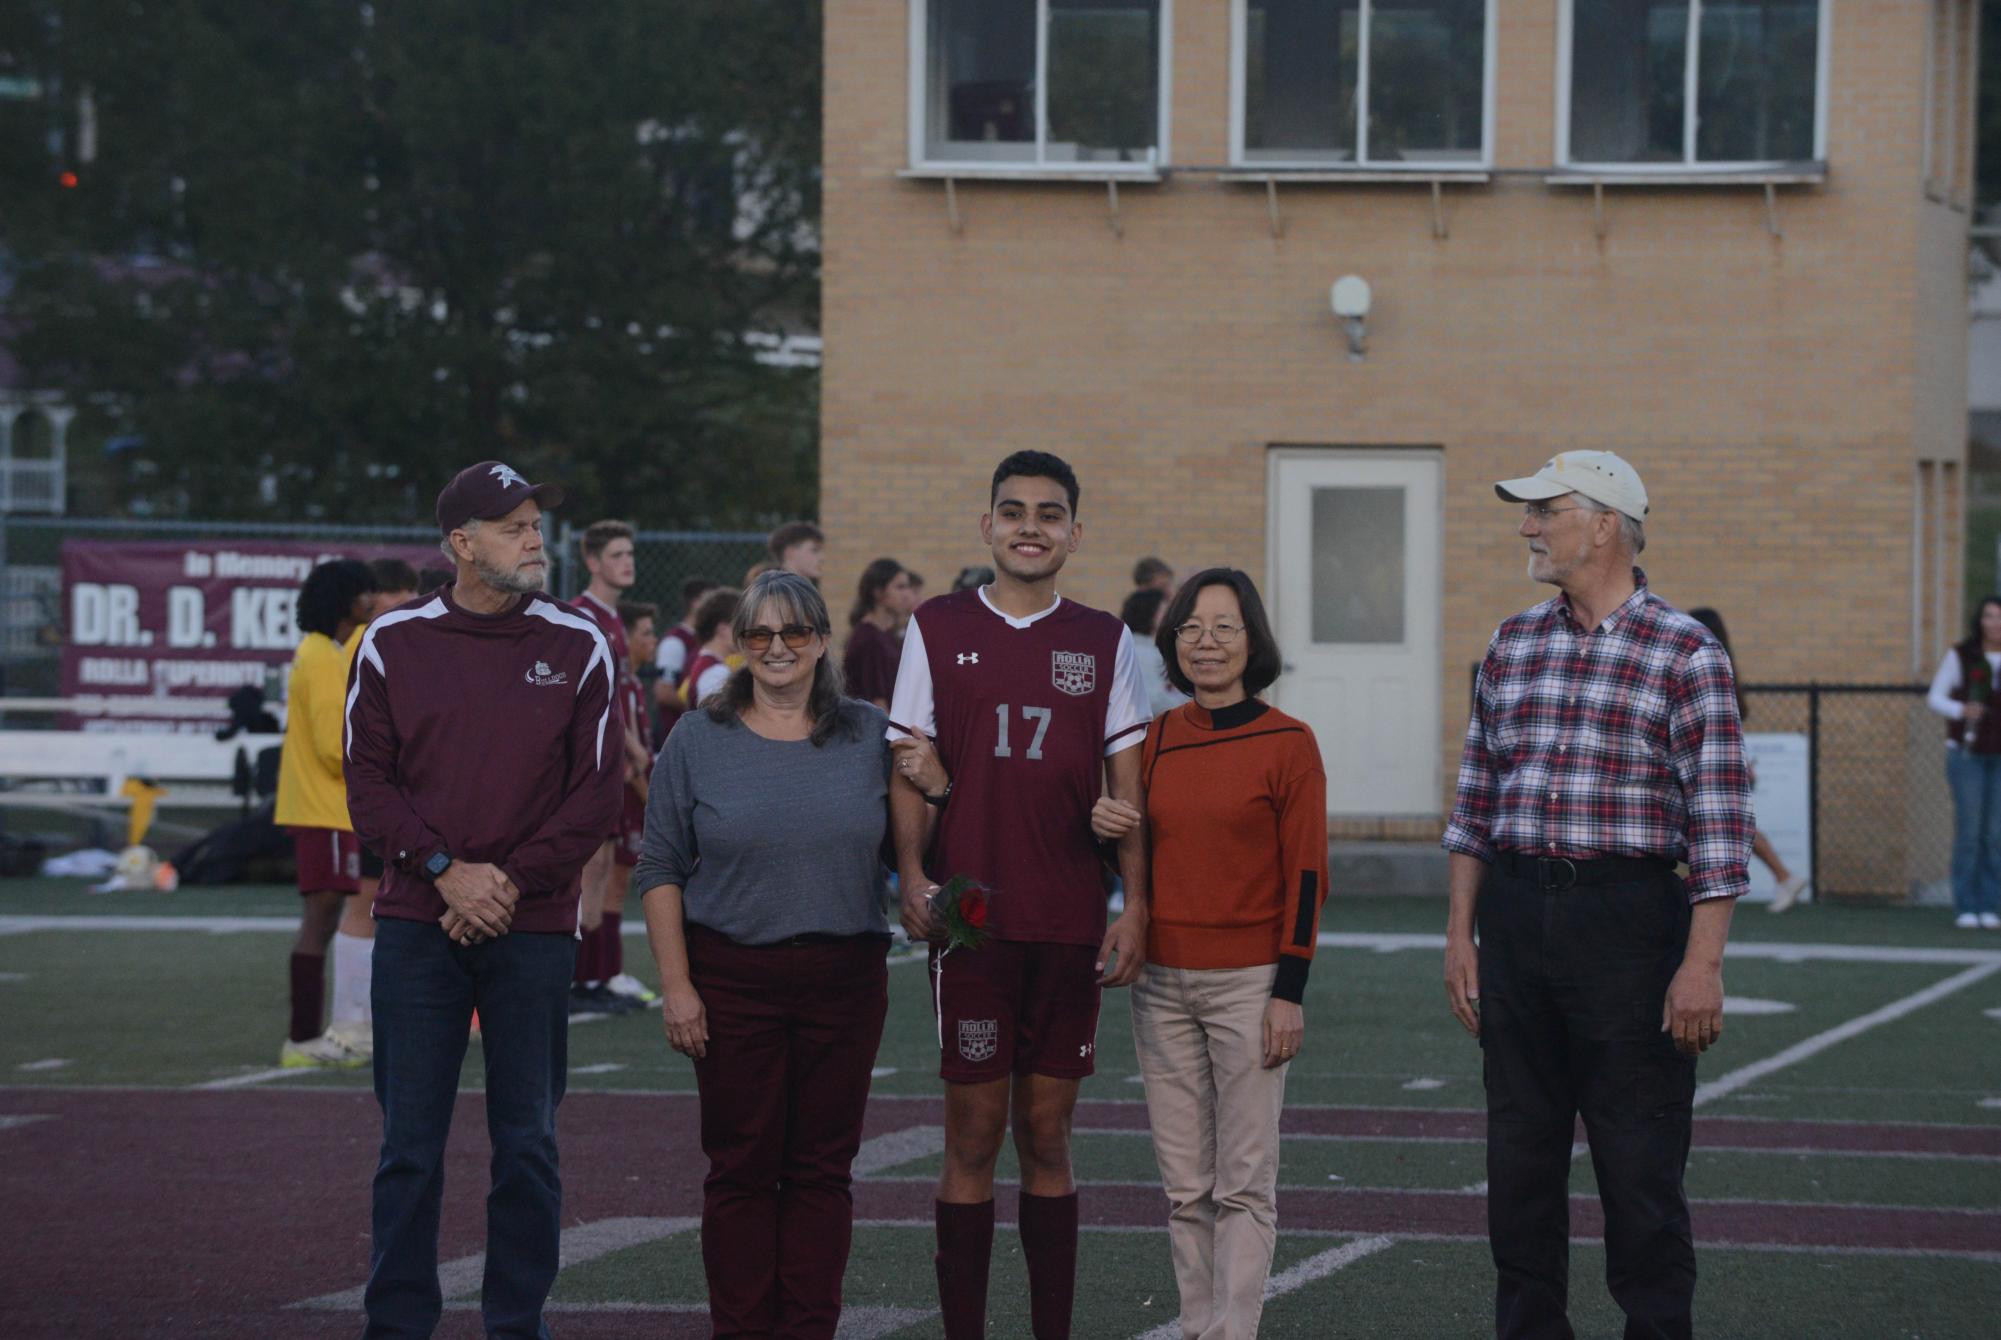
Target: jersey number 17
1039, 715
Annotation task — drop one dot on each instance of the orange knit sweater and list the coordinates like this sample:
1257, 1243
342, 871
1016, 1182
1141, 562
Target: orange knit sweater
1236, 806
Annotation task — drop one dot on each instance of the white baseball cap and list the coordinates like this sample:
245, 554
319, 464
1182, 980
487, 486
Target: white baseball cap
1599, 475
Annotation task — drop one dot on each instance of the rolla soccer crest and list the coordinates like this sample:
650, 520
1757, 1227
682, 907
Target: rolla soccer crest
1074, 672
978, 1038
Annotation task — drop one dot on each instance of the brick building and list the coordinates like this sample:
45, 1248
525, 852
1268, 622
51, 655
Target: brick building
1727, 240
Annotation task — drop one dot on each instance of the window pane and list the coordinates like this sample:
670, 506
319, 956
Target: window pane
1628, 72
1358, 565
1427, 62
1301, 65
1104, 80
980, 97
1754, 81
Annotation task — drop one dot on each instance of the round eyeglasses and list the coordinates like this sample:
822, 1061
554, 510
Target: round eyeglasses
1191, 633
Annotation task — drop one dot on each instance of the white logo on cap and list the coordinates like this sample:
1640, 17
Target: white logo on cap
505, 474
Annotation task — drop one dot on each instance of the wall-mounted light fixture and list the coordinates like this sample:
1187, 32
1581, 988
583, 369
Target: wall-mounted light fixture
1350, 298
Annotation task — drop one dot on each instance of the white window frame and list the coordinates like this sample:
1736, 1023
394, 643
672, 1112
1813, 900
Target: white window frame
1688, 166
1240, 90
920, 49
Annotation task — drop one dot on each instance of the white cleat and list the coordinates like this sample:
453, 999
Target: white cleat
1966, 921
325, 1052
1788, 893
625, 984
358, 1037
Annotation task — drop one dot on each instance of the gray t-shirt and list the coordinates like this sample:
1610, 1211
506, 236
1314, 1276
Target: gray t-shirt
768, 839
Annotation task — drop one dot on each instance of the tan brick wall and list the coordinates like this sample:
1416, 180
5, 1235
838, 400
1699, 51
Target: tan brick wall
1773, 391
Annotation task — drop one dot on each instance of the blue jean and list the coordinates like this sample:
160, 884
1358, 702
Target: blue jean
425, 991
1976, 830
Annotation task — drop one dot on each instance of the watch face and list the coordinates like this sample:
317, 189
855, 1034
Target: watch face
437, 865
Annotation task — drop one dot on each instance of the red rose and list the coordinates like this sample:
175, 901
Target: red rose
973, 908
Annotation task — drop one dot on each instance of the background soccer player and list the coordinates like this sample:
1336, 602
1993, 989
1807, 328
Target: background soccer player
638, 621
1035, 703
608, 556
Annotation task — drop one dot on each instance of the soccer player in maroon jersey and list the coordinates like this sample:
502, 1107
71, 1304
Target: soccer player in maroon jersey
608, 556
1034, 705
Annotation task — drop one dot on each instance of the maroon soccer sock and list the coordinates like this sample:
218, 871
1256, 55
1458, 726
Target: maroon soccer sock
309, 986
965, 1250
611, 956
1049, 1244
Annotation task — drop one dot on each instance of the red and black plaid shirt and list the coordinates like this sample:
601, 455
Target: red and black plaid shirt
1619, 741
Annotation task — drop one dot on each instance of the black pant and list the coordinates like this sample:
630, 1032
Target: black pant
1571, 986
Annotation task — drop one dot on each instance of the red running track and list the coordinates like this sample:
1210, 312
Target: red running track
158, 1213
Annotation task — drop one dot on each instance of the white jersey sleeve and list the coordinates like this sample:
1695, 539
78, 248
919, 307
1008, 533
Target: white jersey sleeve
672, 658
712, 681
1130, 710
911, 706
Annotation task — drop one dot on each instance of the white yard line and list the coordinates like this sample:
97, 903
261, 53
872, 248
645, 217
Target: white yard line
255, 1077
1736, 1079
1298, 1277
1728, 1083
15, 1123
883, 1152
584, 1242
1783, 951
21, 925
1332, 1138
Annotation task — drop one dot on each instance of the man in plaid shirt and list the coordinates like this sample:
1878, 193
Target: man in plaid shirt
1604, 749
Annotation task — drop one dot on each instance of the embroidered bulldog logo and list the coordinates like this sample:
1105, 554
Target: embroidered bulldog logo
543, 676
1073, 672
978, 1038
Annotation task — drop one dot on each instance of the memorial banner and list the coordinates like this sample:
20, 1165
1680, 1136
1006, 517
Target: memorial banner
182, 620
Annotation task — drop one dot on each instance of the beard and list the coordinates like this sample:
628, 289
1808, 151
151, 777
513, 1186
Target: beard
522, 581
1544, 567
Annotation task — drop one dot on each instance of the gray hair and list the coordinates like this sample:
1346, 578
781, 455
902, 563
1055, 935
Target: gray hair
471, 528
1632, 533
794, 600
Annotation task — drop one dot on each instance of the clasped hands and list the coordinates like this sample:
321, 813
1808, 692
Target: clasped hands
479, 902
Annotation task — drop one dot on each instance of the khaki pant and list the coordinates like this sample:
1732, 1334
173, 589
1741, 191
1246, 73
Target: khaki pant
1214, 1111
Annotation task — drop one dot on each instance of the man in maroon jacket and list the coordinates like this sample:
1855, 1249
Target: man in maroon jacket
484, 754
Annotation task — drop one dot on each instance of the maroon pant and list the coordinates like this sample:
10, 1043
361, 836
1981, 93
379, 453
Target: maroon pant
793, 1030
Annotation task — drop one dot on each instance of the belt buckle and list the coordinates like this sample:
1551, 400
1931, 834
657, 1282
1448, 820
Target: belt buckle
1551, 869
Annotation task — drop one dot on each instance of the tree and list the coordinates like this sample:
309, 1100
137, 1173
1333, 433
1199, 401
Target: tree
323, 255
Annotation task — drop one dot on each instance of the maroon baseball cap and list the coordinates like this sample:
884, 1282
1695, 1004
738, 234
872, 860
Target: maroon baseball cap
488, 490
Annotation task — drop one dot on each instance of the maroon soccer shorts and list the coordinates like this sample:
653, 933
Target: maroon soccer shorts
1016, 1007
329, 860
631, 828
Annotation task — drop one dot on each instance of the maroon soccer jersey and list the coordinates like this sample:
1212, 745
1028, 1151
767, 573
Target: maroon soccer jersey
1023, 712
613, 628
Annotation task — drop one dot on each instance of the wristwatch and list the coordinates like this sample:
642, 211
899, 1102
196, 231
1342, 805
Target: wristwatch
436, 864
939, 799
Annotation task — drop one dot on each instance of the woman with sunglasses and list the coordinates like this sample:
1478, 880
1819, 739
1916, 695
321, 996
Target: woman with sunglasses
1236, 815
763, 889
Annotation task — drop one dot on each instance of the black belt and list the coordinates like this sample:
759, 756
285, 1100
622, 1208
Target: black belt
1554, 874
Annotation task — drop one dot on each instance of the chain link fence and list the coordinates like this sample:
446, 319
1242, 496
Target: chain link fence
32, 618
1878, 805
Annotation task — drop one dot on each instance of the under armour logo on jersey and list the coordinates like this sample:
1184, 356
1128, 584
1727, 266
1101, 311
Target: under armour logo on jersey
506, 475
969, 658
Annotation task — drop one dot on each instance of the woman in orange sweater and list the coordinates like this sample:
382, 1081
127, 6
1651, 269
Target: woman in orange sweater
1236, 813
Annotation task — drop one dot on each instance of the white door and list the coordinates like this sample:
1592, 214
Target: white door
1354, 555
